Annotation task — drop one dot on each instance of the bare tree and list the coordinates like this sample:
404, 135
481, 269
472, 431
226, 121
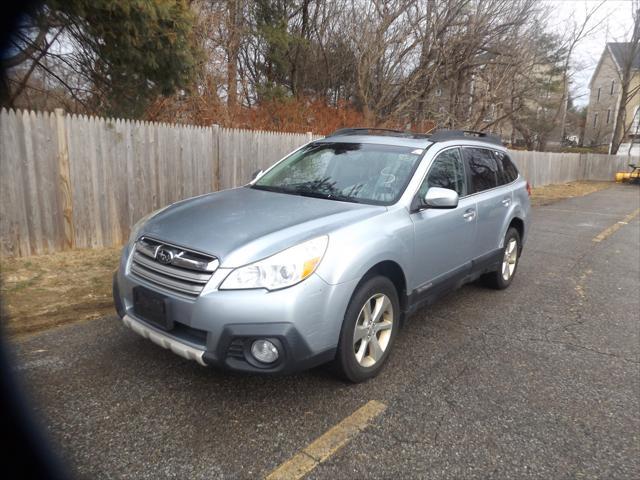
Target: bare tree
627, 92
571, 39
232, 49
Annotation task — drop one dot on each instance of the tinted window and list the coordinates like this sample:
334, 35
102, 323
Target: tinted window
483, 168
509, 170
447, 171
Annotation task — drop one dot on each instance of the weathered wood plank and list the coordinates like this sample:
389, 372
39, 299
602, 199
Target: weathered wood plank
14, 231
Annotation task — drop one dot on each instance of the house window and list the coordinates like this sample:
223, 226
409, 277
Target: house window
635, 124
598, 99
613, 84
608, 116
595, 120
438, 92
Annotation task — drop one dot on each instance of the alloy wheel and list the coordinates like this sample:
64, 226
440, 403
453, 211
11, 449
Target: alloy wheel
373, 330
510, 259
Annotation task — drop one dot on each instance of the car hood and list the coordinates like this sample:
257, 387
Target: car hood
242, 225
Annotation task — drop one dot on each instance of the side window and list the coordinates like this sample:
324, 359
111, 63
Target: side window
447, 171
483, 168
509, 170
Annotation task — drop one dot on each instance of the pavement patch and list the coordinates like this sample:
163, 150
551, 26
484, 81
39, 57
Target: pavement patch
328, 443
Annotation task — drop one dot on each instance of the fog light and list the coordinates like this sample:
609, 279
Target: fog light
264, 351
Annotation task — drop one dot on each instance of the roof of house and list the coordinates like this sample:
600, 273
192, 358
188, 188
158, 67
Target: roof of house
619, 52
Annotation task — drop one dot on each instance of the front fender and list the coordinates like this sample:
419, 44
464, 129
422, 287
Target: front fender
353, 250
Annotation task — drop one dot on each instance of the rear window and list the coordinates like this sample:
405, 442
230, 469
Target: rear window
509, 170
483, 167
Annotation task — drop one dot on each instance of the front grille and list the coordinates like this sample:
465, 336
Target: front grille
171, 267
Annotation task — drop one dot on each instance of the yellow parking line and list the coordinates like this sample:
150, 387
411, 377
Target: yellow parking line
328, 443
608, 231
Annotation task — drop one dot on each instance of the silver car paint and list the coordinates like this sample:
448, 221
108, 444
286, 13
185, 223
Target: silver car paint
243, 225
445, 240
396, 237
315, 307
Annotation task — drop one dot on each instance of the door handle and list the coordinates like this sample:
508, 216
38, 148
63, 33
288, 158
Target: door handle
469, 214
506, 202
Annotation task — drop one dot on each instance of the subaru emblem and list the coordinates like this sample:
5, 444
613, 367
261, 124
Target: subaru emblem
164, 256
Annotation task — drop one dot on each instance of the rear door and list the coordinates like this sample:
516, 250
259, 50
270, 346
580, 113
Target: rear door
492, 198
444, 238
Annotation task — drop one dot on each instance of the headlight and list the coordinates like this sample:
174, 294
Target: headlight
281, 270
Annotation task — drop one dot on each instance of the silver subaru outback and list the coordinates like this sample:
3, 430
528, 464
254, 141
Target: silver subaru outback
323, 256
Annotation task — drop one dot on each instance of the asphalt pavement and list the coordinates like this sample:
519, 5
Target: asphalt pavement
541, 380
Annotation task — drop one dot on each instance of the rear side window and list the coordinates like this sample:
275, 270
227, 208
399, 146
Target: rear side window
509, 170
483, 168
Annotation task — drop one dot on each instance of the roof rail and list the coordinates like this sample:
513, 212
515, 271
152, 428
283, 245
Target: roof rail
444, 135
379, 131
437, 136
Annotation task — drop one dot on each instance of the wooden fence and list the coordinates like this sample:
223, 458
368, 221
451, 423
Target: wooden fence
544, 168
72, 181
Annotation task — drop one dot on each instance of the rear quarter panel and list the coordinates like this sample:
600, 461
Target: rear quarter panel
520, 208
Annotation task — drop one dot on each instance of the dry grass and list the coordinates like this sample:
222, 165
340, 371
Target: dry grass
45, 291
552, 193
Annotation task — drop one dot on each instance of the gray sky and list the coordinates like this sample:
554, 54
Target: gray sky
616, 24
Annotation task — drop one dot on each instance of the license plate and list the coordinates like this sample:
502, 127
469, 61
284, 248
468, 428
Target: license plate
151, 306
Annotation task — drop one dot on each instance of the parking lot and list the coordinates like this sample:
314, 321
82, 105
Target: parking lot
540, 380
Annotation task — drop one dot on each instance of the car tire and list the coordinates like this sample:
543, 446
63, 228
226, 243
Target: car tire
368, 331
502, 277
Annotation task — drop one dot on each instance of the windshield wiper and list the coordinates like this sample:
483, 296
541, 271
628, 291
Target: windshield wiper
305, 191
270, 189
325, 195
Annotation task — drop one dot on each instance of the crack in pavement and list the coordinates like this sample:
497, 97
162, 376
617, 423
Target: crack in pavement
544, 340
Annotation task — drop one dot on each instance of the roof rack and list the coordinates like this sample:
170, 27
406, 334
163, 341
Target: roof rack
437, 136
377, 131
444, 135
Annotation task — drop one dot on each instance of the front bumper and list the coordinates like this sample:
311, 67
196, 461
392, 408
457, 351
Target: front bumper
218, 328
160, 338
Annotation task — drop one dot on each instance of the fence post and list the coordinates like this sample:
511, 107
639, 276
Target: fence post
309, 136
215, 136
64, 181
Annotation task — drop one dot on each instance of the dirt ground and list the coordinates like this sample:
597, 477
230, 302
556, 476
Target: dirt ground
45, 291
552, 193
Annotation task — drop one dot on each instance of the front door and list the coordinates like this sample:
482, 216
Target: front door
444, 238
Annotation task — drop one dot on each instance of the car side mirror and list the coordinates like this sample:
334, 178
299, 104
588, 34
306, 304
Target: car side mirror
437, 197
256, 174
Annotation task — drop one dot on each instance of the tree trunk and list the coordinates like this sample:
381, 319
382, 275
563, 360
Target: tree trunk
369, 116
233, 47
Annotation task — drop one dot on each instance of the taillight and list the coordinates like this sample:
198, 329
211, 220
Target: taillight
528, 189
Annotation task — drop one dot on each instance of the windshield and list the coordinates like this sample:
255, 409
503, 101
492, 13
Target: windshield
352, 172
